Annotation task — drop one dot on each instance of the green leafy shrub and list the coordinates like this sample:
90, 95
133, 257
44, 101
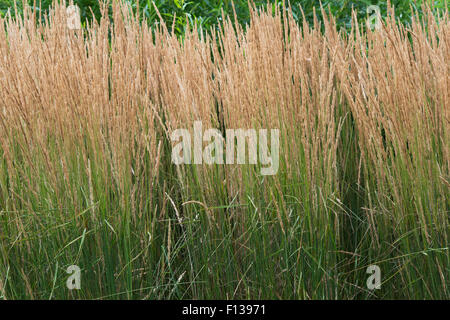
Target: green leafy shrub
207, 13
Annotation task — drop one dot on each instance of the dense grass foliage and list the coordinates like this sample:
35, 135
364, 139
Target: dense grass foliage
207, 14
86, 176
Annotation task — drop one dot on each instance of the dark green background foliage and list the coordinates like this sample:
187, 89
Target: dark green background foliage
207, 13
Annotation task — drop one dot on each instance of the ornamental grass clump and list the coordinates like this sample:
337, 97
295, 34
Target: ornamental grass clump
87, 177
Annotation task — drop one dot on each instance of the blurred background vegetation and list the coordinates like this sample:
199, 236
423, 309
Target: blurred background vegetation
207, 13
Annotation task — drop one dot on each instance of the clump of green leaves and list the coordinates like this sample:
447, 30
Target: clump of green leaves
206, 14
